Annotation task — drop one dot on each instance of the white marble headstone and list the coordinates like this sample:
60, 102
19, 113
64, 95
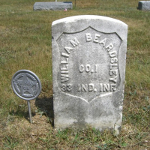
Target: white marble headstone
144, 5
52, 5
89, 59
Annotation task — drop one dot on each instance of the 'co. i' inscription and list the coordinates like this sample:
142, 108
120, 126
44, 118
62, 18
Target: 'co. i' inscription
66, 86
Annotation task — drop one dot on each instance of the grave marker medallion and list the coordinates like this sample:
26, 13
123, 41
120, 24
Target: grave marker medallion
89, 55
26, 84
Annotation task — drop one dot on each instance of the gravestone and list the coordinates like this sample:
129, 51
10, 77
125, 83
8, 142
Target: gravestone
89, 57
144, 5
52, 5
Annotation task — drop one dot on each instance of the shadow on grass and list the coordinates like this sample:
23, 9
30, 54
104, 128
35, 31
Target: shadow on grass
19, 113
45, 106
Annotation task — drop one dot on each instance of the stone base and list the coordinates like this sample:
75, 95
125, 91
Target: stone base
144, 5
52, 5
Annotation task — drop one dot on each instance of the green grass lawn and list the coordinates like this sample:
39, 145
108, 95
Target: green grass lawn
25, 43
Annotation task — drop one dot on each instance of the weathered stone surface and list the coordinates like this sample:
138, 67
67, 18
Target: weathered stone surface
89, 57
144, 5
52, 5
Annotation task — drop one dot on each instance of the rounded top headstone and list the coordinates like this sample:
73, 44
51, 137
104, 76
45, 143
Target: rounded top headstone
26, 84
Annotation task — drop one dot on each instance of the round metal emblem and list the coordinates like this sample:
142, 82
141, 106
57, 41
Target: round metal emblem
26, 84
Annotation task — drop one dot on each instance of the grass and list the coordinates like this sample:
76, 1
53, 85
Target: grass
25, 43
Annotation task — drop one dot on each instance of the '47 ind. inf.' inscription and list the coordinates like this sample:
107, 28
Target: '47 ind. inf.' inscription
89, 64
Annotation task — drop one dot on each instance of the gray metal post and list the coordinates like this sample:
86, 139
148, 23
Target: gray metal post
29, 108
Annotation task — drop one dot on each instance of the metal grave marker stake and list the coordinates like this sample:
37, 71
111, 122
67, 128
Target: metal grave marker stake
27, 86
